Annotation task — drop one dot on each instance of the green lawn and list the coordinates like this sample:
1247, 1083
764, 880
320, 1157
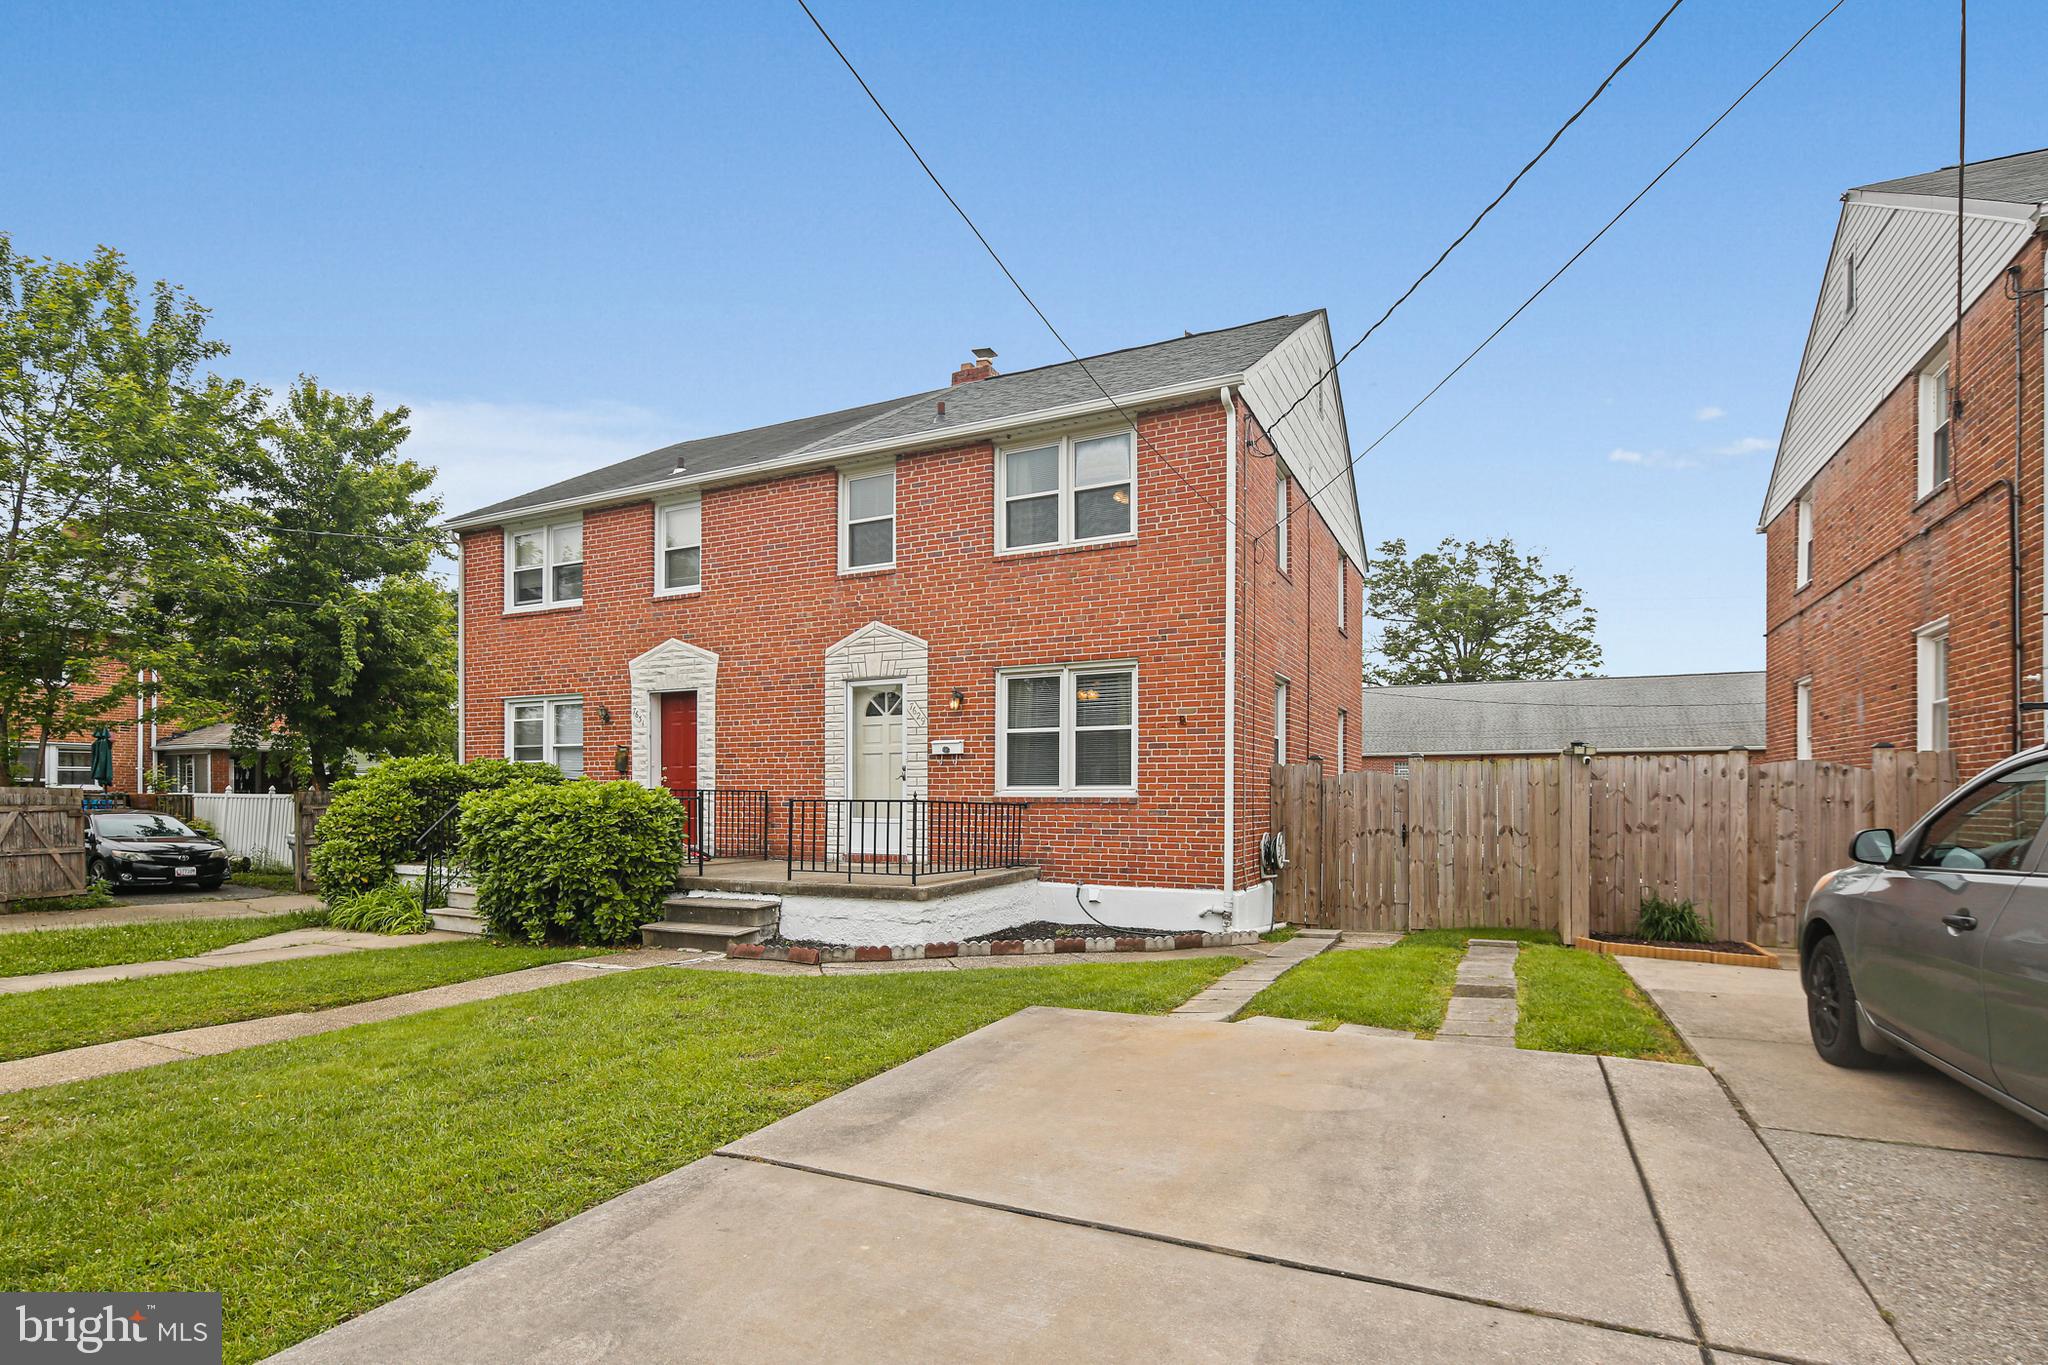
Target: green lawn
63, 950
1573, 1001
312, 1180
266, 880
1404, 986
74, 1016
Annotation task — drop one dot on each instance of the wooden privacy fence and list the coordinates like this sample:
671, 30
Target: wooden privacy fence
1573, 845
42, 843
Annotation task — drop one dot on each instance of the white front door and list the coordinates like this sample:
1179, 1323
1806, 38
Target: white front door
877, 766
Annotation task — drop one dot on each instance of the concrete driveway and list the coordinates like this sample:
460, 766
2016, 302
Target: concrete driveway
1066, 1185
1938, 1196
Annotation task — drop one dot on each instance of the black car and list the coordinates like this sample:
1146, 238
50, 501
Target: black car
149, 848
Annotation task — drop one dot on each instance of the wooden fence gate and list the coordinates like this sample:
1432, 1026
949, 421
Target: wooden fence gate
1573, 845
42, 843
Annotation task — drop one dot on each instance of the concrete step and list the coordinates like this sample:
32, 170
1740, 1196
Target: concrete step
461, 897
459, 921
748, 910
710, 938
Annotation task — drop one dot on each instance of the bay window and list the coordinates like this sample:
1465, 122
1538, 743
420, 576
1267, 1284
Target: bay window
1070, 490
678, 546
546, 730
1071, 729
544, 566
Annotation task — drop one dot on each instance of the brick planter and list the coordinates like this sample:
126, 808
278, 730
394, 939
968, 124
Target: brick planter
1763, 956
1002, 947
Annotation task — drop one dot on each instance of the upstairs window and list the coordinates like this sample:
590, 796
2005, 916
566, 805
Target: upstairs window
678, 546
546, 565
1805, 555
1937, 412
1073, 491
867, 520
1343, 594
1283, 487
546, 730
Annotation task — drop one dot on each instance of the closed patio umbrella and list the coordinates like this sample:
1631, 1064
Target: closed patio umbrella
103, 757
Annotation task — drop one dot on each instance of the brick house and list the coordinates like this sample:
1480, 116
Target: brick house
995, 590
199, 759
1667, 713
1903, 518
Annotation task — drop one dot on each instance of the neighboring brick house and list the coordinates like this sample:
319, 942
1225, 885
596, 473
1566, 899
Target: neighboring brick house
66, 761
1671, 713
994, 589
1904, 554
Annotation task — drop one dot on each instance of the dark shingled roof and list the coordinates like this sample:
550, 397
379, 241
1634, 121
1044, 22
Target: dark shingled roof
2021, 178
1669, 712
1161, 364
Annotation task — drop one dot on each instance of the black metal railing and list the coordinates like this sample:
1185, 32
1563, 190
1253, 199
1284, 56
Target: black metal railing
724, 822
910, 838
440, 866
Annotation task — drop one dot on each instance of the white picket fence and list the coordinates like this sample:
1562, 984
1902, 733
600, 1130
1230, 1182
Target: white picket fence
255, 825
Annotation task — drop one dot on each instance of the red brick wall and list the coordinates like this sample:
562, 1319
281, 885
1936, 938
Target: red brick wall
1883, 566
773, 601
120, 718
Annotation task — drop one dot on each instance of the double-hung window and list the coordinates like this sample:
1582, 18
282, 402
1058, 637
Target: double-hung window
1280, 720
678, 546
1068, 730
1283, 491
1805, 555
1931, 644
545, 566
1343, 594
1937, 409
1073, 490
1802, 718
1343, 740
546, 730
867, 520
74, 768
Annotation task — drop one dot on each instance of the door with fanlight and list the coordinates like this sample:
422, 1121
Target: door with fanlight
875, 826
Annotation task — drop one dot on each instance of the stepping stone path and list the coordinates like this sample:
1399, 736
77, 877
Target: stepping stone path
1234, 990
1482, 1008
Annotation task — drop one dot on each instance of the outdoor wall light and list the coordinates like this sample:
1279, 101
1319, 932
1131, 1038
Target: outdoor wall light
622, 759
1582, 751
958, 700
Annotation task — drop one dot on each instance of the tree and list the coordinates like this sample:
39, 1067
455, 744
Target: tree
111, 452
329, 636
1472, 611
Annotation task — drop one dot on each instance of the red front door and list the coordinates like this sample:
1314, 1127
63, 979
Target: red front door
679, 742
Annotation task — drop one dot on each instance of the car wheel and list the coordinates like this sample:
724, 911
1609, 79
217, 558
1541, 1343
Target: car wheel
1831, 1007
96, 870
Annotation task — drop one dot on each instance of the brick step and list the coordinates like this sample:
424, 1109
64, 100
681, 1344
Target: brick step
710, 938
752, 911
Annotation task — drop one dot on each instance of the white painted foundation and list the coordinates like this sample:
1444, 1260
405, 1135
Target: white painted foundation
865, 921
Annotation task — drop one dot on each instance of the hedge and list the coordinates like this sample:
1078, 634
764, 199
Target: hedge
377, 819
583, 862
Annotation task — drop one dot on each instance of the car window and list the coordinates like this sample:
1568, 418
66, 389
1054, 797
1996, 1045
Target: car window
1992, 827
141, 825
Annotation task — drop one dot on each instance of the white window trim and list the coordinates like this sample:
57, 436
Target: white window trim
1066, 491
1803, 573
1929, 419
548, 600
547, 727
1343, 738
1283, 698
1343, 594
1283, 490
1068, 748
1924, 641
1802, 718
845, 531
53, 776
661, 547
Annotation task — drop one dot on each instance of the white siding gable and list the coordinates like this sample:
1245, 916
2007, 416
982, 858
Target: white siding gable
1314, 441
1905, 252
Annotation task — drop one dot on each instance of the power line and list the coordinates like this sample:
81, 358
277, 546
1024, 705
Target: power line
1470, 227
1572, 260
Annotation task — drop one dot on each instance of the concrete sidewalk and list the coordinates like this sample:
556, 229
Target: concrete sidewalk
1936, 1195
293, 943
1065, 1185
145, 910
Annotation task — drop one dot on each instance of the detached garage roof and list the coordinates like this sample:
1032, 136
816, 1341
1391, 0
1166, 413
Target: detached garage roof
1670, 712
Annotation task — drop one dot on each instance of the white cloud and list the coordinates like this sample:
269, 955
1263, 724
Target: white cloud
1688, 459
489, 451
1626, 456
1652, 459
1748, 445
1709, 413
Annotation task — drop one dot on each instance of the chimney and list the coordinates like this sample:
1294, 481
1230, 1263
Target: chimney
983, 366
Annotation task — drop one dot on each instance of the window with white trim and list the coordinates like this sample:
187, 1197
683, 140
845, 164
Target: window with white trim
1931, 646
1937, 409
867, 520
1802, 718
188, 772
1068, 730
1343, 739
1280, 720
1343, 594
72, 768
544, 566
1075, 490
679, 546
1805, 552
1282, 494
546, 730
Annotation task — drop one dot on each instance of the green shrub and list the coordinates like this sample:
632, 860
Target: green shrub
583, 862
1672, 921
393, 908
377, 819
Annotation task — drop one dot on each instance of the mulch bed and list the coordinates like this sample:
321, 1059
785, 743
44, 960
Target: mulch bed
1721, 945
1036, 929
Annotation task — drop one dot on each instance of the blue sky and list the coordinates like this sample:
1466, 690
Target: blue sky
565, 234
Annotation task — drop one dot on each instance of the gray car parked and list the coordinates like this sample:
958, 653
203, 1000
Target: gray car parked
1936, 944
